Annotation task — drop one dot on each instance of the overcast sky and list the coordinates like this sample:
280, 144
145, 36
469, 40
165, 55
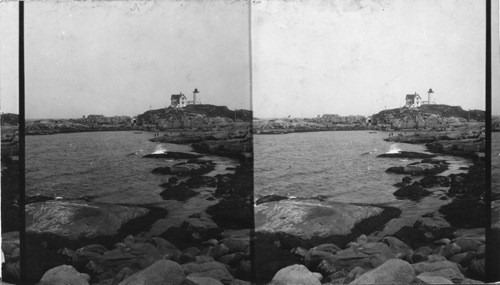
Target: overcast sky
359, 57
309, 58
120, 57
9, 54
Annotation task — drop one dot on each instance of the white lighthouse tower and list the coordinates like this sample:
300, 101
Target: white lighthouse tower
429, 97
194, 96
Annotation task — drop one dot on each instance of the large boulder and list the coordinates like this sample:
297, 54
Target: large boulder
360, 254
413, 192
191, 167
78, 220
296, 274
308, 223
212, 269
161, 272
64, 275
425, 167
173, 154
393, 271
464, 147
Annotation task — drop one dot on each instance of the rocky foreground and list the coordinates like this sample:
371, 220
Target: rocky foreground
319, 241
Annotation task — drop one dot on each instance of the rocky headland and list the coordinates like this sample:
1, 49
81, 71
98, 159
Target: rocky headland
323, 123
435, 117
201, 117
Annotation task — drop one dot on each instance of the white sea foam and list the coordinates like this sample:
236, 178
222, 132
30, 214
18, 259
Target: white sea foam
394, 148
161, 148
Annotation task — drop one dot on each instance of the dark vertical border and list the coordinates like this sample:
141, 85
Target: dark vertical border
22, 222
252, 230
490, 247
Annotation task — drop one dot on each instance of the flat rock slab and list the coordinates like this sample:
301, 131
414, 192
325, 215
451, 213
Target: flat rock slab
77, 219
173, 154
407, 154
313, 221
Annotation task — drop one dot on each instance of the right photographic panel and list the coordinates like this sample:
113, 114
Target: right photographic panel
370, 141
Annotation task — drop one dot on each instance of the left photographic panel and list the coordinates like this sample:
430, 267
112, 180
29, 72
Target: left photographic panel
139, 164
9, 108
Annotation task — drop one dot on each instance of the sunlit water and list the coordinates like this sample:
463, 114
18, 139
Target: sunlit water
106, 165
342, 165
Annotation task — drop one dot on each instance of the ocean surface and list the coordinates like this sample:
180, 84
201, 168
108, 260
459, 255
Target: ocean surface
105, 165
341, 166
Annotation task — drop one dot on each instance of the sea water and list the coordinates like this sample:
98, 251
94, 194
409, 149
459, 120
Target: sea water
340, 166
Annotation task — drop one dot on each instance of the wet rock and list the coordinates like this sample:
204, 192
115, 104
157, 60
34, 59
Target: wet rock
174, 155
314, 257
212, 269
140, 255
161, 272
235, 148
203, 258
309, 222
367, 256
65, 274
447, 273
400, 249
425, 279
162, 245
178, 192
477, 269
78, 220
231, 259
189, 254
465, 213
412, 192
407, 154
122, 275
355, 273
269, 259
393, 271
421, 253
204, 280
464, 147
296, 274
233, 213
421, 267
463, 258
216, 251
270, 198
424, 231
201, 181
190, 232
467, 244
434, 181
186, 168
235, 245
443, 241
435, 258
245, 270
448, 250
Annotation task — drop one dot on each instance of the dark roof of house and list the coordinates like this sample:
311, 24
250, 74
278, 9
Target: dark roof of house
412, 96
177, 96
